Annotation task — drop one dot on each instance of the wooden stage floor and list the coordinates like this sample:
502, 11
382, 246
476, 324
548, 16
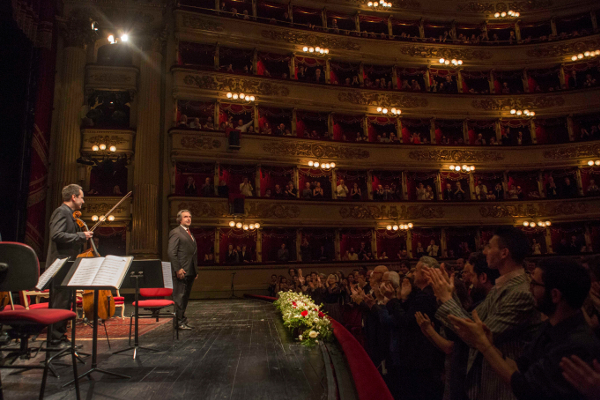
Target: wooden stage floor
239, 349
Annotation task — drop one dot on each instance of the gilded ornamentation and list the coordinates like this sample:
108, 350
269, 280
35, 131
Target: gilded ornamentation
381, 99
200, 142
479, 7
563, 49
424, 51
100, 208
111, 78
200, 209
311, 39
533, 210
315, 150
236, 85
583, 150
196, 22
403, 4
76, 29
394, 212
506, 104
107, 140
455, 155
265, 210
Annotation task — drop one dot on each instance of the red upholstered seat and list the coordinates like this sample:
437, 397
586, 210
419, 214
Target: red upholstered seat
156, 292
154, 303
8, 307
121, 299
41, 316
38, 306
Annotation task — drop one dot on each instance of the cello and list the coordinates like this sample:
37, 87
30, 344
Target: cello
106, 301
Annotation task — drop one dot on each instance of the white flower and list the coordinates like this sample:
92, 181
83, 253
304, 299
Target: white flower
316, 320
300, 337
313, 334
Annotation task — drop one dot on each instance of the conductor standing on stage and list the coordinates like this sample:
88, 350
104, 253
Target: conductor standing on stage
66, 240
183, 254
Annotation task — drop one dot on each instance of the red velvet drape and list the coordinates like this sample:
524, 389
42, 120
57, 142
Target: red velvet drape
352, 239
236, 237
390, 242
272, 240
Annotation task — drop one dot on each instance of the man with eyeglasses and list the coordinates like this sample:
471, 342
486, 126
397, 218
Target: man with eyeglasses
559, 287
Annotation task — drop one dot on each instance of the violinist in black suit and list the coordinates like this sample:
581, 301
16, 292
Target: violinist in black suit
66, 241
183, 254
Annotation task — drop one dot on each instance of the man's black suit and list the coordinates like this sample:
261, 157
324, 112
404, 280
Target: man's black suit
183, 253
66, 240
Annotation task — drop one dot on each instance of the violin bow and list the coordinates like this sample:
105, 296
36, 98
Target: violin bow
103, 218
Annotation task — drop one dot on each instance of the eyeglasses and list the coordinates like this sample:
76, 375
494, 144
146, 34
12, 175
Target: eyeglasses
534, 283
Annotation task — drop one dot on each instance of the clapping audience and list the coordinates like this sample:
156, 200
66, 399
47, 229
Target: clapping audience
485, 319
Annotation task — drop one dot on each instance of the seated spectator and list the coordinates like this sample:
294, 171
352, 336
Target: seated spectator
355, 192
277, 193
209, 258
481, 191
429, 195
209, 126
268, 193
319, 78
207, 189
342, 190
536, 248
246, 188
183, 121
448, 193
388, 194
351, 255
433, 249
266, 129
190, 187
383, 256
499, 191
420, 250
231, 256
513, 193
317, 191
307, 192
283, 254
568, 190
421, 192
195, 124
593, 189
459, 193
490, 196
480, 141
559, 287
379, 193
402, 254
244, 255
290, 191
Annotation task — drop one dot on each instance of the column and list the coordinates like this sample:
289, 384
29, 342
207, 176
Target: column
409, 246
370, 184
472, 186
291, 12
532, 131
255, 61
459, 82
216, 178
540, 183
324, 17
299, 245
390, 27
366, 128
553, 26
594, 20
579, 181
66, 143
294, 121
217, 115
518, 31
432, 138
478, 239
438, 186
426, 78
361, 72
395, 77
254, 8
257, 192
330, 125
357, 21
491, 82
144, 232
327, 71
337, 245
505, 183
443, 245
570, 128
217, 244
421, 29
259, 245
561, 77
217, 64
255, 117
404, 185
498, 129
333, 184
525, 81
293, 66
297, 182
374, 243
399, 129
588, 239
466, 131
548, 238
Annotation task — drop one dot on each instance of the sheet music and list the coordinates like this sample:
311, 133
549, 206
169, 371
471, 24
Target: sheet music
86, 271
111, 271
167, 274
50, 272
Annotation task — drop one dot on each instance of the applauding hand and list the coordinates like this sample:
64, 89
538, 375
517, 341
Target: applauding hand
424, 322
442, 285
473, 332
405, 289
584, 378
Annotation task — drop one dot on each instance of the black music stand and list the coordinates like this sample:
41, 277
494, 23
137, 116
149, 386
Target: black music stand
145, 274
233, 295
65, 284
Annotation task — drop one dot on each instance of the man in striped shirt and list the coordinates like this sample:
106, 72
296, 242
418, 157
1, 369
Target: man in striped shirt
508, 311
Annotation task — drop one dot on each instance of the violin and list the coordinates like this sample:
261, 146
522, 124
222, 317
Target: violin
106, 301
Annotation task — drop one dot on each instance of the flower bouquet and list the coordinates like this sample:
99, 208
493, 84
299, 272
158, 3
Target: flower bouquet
302, 315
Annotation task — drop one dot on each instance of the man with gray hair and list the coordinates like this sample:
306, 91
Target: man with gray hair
66, 241
183, 254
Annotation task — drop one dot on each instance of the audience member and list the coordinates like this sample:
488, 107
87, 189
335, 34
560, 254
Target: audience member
190, 188
283, 254
207, 189
342, 190
246, 188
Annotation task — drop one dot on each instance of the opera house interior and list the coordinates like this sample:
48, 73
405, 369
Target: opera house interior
388, 159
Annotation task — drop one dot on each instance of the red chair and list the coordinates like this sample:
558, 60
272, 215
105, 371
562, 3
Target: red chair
20, 270
155, 306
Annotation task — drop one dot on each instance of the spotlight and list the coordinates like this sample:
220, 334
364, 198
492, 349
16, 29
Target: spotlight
235, 96
245, 227
310, 163
316, 164
113, 148
548, 223
410, 225
532, 225
395, 227
111, 218
251, 226
229, 95
95, 218
526, 223
590, 163
125, 37
597, 162
257, 225
102, 147
95, 148
332, 165
389, 227
111, 39
232, 223
238, 225
442, 60
305, 49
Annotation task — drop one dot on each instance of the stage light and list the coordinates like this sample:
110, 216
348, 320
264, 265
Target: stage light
442, 60
94, 218
125, 37
232, 223
590, 163
410, 225
251, 226
526, 223
395, 227
245, 227
332, 165
548, 223
305, 49
111, 218
96, 148
235, 96
113, 148
257, 225
532, 225
389, 227
111, 39
103, 147
310, 163
229, 95
597, 162
316, 164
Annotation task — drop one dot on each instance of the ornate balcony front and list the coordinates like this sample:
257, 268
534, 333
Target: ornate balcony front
348, 214
100, 205
102, 77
